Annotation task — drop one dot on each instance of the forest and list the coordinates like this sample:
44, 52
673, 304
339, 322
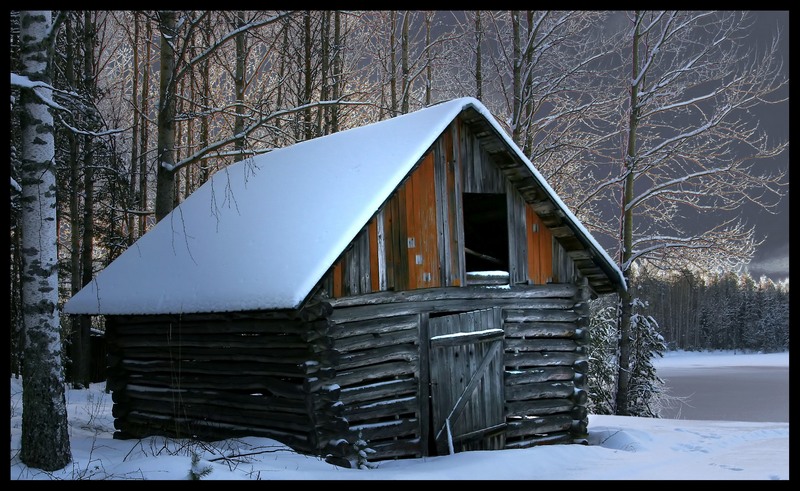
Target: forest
641, 121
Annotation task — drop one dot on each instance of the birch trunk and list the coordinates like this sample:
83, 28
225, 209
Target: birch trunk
45, 441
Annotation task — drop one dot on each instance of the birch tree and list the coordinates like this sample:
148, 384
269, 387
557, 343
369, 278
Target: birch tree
45, 440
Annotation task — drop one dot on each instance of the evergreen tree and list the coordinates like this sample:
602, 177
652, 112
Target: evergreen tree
602, 375
646, 388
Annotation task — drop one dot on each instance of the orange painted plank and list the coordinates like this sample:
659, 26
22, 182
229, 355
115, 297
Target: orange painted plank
373, 254
338, 290
540, 249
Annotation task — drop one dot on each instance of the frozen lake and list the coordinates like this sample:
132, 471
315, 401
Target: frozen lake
740, 391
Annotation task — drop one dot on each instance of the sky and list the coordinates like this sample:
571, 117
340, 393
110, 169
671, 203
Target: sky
772, 257
619, 448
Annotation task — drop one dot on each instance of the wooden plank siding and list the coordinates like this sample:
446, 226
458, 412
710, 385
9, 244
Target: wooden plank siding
467, 384
378, 376
481, 174
540, 249
374, 253
518, 237
416, 239
421, 225
455, 164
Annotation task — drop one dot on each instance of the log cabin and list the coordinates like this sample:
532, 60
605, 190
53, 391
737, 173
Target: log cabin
414, 284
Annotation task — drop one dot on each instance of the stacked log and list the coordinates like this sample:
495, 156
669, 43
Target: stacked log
545, 350
217, 376
378, 378
345, 369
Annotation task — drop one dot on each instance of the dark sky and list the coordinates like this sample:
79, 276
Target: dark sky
772, 257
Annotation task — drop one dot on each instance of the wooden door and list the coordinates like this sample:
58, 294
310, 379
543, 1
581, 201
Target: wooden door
466, 370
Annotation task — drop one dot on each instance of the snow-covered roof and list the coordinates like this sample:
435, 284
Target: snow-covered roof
261, 233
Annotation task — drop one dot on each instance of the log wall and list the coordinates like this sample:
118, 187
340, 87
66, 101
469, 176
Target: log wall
215, 376
344, 369
544, 352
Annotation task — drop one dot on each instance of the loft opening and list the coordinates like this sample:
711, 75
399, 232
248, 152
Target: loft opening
485, 234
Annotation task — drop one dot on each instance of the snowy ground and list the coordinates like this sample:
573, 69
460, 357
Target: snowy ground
620, 448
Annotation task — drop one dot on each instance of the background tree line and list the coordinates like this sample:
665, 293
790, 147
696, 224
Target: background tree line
726, 311
640, 121
687, 311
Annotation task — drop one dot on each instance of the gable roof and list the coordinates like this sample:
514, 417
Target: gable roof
261, 233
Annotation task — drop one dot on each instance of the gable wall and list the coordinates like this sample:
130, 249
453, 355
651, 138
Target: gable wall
416, 239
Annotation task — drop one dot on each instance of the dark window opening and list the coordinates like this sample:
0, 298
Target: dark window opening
485, 232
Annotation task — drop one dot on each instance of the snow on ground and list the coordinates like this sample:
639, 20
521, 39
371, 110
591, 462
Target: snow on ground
620, 448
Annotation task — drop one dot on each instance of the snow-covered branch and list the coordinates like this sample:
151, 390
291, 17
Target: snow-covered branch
24, 82
213, 147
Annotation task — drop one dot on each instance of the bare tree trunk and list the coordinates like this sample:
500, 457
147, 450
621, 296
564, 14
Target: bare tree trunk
323, 117
143, 139
87, 242
187, 171
393, 62
165, 176
623, 375
527, 91
282, 64
337, 68
429, 59
405, 82
478, 56
180, 125
516, 108
45, 440
205, 171
75, 344
239, 86
307, 71
134, 165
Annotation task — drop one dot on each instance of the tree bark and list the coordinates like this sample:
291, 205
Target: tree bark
307, 78
143, 138
393, 62
205, 166
87, 241
75, 344
45, 440
165, 177
239, 85
323, 116
405, 81
338, 46
429, 59
478, 56
516, 106
623, 370
134, 165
